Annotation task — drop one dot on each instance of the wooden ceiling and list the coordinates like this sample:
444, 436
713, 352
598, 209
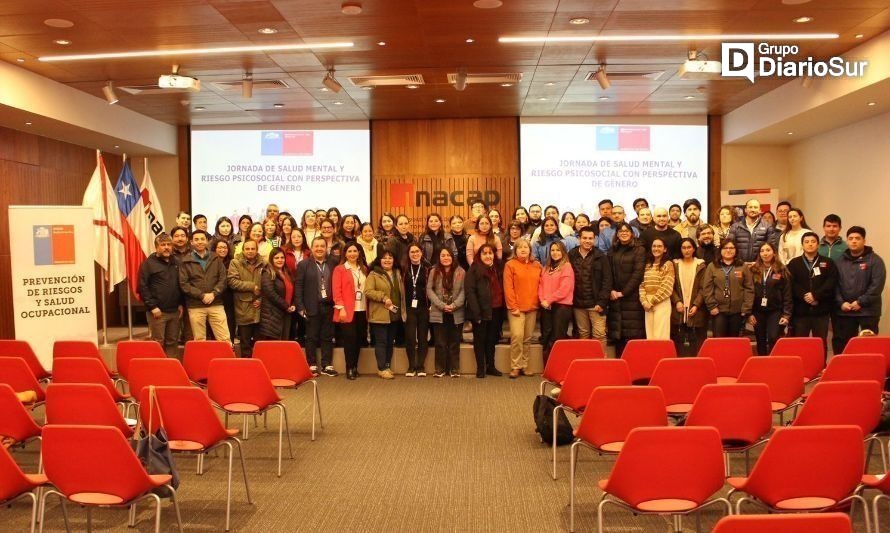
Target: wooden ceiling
426, 37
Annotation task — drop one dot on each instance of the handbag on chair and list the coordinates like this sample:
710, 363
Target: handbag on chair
153, 448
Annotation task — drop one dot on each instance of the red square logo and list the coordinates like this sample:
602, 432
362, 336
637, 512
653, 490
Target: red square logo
635, 138
400, 194
298, 143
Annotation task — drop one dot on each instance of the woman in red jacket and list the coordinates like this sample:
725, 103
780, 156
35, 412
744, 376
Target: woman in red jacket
350, 305
555, 291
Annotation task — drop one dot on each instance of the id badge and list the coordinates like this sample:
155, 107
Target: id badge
324, 292
414, 303
358, 296
763, 302
816, 271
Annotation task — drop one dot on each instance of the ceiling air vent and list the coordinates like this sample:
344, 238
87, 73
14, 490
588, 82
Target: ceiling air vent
619, 73
258, 85
141, 90
384, 81
495, 77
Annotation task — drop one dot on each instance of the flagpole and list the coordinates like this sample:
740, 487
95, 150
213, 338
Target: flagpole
129, 297
104, 316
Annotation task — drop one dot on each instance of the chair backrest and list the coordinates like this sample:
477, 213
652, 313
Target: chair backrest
65, 349
240, 381
783, 375
12, 480
681, 379
84, 370
741, 412
284, 360
785, 523
22, 350
197, 355
83, 404
643, 356
187, 414
668, 463
15, 373
166, 372
97, 459
728, 353
584, 375
565, 351
855, 367
612, 412
811, 351
808, 461
856, 403
874, 344
128, 350
15, 421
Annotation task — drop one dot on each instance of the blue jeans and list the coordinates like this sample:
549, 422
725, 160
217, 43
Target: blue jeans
384, 341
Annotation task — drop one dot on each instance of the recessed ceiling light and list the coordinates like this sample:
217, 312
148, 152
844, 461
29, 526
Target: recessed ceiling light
670, 38
277, 106
368, 88
63, 42
803, 20
543, 99
689, 97
117, 146
198, 51
872, 104
795, 2
338, 103
411, 86
506, 85
351, 8
20, 59
487, 4
381, 43
27, 123
58, 23
789, 133
324, 89
440, 100
603, 98
549, 84
199, 108
859, 36
470, 40
578, 21
267, 31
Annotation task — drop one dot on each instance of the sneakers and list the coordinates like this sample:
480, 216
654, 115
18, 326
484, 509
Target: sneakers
410, 374
329, 371
314, 370
421, 373
454, 374
440, 374
385, 373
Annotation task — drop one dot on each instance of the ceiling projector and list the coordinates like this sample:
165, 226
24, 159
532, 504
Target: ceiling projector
175, 81
694, 69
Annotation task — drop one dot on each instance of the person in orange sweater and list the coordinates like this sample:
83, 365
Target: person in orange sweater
555, 290
522, 275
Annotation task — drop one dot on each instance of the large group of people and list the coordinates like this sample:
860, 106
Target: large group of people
330, 279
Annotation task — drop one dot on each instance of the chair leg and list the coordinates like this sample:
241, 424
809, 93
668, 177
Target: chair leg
157, 500
200, 464
874, 510
131, 518
229, 487
599, 514
317, 406
89, 519
42, 509
280, 434
553, 442
243, 469
246, 427
865, 513
175, 507
573, 458
726, 464
34, 506
678, 523
290, 447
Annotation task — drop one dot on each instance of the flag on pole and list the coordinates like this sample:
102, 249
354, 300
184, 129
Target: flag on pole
134, 223
109, 247
151, 207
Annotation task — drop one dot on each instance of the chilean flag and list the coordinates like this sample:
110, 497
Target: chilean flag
134, 224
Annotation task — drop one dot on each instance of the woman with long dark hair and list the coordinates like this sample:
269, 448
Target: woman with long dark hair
335, 217
417, 311
223, 250
773, 301
244, 223
350, 305
277, 303
223, 232
349, 228
287, 227
386, 308
689, 319
445, 290
460, 240
434, 238
790, 242
728, 289
296, 250
485, 309
556, 291
385, 227
626, 319
656, 289
400, 239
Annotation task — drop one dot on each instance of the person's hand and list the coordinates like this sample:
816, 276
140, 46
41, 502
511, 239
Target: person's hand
846, 307
855, 306
207, 298
387, 303
715, 311
180, 310
597, 309
614, 295
783, 321
680, 307
293, 308
752, 320
256, 303
808, 298
156, 312
515, 312
448, 308
545, 304
342, 315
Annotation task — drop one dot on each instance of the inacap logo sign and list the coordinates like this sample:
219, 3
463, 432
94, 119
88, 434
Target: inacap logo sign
739, 61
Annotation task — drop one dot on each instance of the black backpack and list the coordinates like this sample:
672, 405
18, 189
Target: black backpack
543, 412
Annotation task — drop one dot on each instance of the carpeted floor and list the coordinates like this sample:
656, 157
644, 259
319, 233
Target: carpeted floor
412, 454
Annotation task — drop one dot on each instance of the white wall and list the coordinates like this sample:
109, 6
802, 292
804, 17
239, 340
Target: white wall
756, 167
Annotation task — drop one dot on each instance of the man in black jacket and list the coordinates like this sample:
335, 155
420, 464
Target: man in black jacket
315, 302
861, 277
813, 282
159, 290
593, 282
751, 232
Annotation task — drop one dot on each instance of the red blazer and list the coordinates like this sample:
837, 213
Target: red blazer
344, 293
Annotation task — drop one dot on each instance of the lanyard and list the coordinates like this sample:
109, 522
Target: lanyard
414, 276
726, 274
727, 271
766, 277
321, 270
810, 265
357, 277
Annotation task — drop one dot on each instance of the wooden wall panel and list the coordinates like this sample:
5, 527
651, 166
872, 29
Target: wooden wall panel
454, 156
40, 171
715, 162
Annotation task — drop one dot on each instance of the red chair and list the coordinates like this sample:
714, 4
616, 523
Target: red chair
811, 351
611, 414
94, 466
643, 356
855, 367
785, 523
83, 404
741, 412
783, 376
15, 485
166, 372
65, 349
583, 377
681, 380
243, 387
881, 483
197, 355
193, 427
22, 350
287, 366
666, 471
806, 469
126, 351
875, 344
562, 354
729, 354
15, 421
15, 373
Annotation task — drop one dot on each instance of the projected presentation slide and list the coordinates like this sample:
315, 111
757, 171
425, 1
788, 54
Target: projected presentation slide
236, 172
574, 166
